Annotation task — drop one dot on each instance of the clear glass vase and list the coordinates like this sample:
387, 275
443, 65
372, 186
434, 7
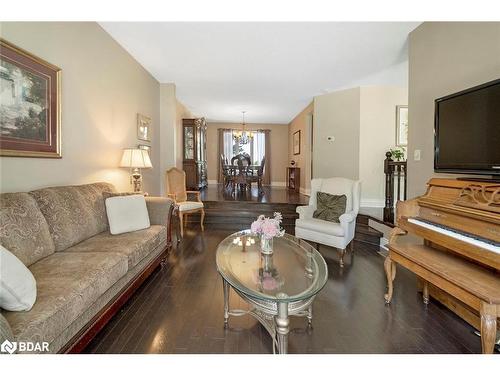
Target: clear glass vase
266, 246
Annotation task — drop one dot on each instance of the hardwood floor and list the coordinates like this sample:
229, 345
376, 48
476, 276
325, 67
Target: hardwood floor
270, 194
179, 309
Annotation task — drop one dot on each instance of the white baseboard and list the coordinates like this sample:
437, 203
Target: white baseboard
278, 183
379, 203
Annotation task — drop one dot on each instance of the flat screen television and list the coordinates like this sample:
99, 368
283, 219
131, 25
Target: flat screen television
467, 131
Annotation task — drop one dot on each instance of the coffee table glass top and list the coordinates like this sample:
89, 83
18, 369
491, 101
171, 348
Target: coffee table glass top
295, 271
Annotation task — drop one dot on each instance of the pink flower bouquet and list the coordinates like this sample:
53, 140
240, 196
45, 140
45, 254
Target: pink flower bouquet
267, 227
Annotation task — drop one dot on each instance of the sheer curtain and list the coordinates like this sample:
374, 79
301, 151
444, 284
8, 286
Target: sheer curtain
225, 149
228, 144
258, 147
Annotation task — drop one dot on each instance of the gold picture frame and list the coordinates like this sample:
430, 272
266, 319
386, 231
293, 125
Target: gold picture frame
296, 143
143, 128
402, 125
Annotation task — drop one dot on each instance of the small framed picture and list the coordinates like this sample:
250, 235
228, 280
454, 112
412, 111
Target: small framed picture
296, 142
401, 125
143, 128
145, 147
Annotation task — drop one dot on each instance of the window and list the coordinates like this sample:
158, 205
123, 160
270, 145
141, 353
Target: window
256, 148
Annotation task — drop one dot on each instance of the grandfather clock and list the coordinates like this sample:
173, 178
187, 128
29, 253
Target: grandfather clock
194, 163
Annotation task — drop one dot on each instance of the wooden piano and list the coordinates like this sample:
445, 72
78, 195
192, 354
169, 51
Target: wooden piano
450, 238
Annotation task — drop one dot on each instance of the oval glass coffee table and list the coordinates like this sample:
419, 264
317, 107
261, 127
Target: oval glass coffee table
276, 286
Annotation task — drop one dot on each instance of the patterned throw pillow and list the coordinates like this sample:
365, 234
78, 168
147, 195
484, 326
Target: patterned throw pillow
330, 207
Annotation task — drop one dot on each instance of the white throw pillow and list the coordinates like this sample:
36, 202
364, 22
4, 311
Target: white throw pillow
127, 213
17, 284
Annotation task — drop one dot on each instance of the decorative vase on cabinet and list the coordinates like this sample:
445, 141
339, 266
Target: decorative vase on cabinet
195, 152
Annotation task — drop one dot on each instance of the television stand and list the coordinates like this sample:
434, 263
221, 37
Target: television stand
493, 179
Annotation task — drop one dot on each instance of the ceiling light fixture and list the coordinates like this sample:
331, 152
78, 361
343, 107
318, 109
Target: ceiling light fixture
242, 136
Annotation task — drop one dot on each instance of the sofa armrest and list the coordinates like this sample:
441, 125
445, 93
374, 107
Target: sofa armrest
305, 212
159, 210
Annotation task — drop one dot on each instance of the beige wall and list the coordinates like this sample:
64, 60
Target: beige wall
444, 57
376, 136
103, 89
336, 114
363, 122
302, 122
279, 148
168, 119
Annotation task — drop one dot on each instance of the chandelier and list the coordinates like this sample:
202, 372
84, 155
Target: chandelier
242, 136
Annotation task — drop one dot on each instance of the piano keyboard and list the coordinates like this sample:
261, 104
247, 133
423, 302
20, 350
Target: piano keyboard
465, 237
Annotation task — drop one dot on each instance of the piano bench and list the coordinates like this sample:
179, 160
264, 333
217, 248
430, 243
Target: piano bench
475, 286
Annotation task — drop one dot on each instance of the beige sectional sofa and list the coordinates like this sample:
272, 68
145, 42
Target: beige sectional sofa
83, 273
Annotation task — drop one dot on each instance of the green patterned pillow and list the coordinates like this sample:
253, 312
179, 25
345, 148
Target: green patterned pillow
330, 207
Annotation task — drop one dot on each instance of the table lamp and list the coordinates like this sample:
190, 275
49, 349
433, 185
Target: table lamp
135, 159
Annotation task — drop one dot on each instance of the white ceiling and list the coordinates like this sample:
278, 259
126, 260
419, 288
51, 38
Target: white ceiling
271, 70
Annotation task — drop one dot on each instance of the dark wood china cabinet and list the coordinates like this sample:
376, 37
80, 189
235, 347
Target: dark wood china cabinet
194, 133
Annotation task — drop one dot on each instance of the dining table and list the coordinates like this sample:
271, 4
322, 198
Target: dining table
235, 174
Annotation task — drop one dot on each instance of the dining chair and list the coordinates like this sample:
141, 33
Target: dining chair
176, 184
258, 175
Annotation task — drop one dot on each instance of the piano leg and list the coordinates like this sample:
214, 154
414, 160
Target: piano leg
488, 327
390, 272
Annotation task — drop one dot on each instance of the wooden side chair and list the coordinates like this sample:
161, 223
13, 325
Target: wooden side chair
176, 183
258, 176
226, 171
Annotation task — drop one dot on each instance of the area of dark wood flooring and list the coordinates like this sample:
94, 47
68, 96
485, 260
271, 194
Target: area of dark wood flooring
179, 309
269, 194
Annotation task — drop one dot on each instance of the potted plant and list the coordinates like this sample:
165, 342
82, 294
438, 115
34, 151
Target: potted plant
397, 153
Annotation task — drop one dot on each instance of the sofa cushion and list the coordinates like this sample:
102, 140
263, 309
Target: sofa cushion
73, 213
134, 245
323, 226
68, 284
23, 228
127, 213
5, 330
17, 284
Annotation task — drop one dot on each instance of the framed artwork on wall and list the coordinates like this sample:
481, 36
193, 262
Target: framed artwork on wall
143, 128
296, 142
30, 104
145, 147
401, 125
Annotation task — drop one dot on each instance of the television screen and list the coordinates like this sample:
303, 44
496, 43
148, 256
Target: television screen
467, 131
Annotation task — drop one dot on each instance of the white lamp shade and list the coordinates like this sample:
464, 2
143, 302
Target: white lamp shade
135, 158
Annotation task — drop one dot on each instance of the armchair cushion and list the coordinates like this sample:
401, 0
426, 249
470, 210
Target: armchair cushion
329, 206
322, 226
188, 205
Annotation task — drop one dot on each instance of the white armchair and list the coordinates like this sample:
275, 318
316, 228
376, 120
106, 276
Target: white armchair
337, 235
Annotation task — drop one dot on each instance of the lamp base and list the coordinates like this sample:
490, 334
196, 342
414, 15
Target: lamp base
137, 180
